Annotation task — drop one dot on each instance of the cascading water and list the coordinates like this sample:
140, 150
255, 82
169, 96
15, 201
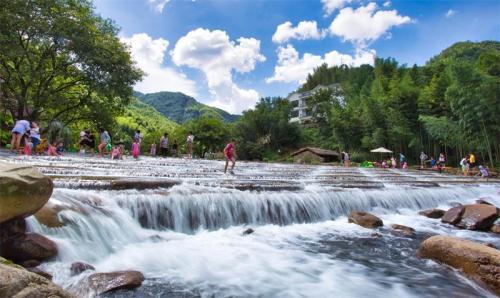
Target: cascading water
188, 239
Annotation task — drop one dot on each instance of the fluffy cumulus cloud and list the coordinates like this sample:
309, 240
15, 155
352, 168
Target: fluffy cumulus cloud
158, 5
304, 30
450, 13
329, 6
148, 54
218, 57
291, 68
365, 24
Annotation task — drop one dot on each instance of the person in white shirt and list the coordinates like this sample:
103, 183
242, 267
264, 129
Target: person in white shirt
189, 145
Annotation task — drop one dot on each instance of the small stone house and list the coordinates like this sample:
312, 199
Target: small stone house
315, 155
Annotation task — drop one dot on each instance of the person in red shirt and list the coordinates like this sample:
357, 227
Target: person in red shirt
229, 155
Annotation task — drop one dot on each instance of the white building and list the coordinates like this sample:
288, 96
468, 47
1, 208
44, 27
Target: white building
300, 110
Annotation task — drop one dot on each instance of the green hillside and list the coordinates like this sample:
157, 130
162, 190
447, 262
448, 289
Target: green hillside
180, 107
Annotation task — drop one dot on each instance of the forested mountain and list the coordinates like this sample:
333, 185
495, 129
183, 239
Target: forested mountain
451, 104
180, 107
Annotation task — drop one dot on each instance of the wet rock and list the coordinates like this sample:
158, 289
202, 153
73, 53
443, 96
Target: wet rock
18, 282
24, 191
375, 235
12, 228
248, 231
478, 217
432, 213
489, 244
79, 267
107, 282
495, 229
453, 215
48, 216
455, 204
407, 231
142, 184
481, 201
365, 219
40, 272
479, 262
30, 263
30, 246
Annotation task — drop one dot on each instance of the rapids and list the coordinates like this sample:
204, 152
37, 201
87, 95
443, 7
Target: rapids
181, 223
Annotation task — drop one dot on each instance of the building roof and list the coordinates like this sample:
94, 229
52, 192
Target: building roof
317, 151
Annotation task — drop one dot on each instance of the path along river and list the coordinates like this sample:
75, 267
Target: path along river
181, 223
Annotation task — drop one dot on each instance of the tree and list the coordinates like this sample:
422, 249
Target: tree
211, 134
61, 61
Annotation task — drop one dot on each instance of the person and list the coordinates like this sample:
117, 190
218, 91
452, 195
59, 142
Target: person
174, 148
105, 139
405, 165
152, 151
472, 161
393, 162
442, 160
27, 145
229, 155
51, 149
138, 136
34, 134
402, 159
465, 166
433, 162
116, 152
164, 145
20, 129
384, 164
423, 158
135, 149
60, 149
483, 172
189, 144
86, 140
347, 159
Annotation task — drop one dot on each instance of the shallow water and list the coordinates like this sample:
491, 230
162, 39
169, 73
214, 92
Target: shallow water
188, 239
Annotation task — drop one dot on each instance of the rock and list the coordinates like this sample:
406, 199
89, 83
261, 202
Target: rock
12, 228
48, 215
24, 191
375, 235
478, 217
495, 229
40, 272
111, 281
407, 231
79, 267
455, 204
30, 246
481, 201
432, 213
365, 219
248, 231
30, 263
453, 215
489, 244
479, 262
16, 281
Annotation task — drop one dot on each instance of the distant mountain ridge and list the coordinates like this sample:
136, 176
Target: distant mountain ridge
180, 107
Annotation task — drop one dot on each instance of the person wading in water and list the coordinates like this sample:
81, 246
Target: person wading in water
229, 155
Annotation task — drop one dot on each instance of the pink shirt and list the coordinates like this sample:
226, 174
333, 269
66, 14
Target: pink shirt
228, 151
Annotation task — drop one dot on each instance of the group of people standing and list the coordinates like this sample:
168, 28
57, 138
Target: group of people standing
29, 133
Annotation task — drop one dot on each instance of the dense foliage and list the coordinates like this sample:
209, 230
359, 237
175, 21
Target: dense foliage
449, 105
181, 108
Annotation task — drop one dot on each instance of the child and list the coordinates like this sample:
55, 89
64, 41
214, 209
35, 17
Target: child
152, 152
229, 155
115, 152
405, 165
60, 149
393, 162
174, 149
27, 145
51, 150
465, 166
135, 149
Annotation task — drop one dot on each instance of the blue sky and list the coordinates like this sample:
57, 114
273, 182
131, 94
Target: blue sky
228, 53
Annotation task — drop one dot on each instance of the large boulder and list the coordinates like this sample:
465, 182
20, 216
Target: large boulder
49, 215
24, 191
478, 261
365, 219
478, 217
111, 281
30, 246
406, 231
20, 283
453, 215
432, 213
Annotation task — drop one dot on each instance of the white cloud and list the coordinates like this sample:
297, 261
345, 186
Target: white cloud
148, 53
450, 13
365, 24
158, 5
217, 56
329, 6
293, 69
304, 30
387, 3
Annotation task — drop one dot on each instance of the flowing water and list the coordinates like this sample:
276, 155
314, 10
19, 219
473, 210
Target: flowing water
181, 223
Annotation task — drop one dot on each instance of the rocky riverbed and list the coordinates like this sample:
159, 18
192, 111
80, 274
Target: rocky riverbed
182, 228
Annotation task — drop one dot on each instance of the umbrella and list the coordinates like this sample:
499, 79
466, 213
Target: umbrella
381, 150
